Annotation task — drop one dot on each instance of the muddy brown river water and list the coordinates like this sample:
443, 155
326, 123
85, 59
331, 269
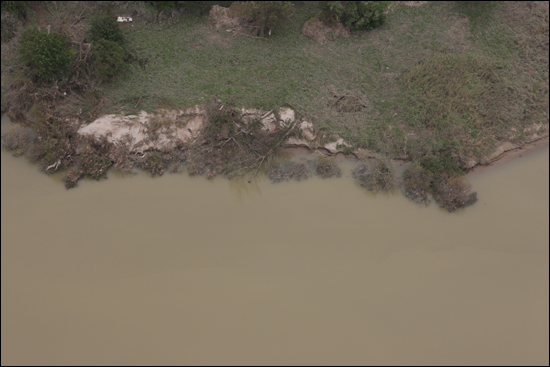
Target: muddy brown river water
179, 270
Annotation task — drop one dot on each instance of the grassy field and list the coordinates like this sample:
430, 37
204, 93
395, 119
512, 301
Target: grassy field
441, 77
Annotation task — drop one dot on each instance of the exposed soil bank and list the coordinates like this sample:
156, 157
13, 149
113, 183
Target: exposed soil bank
216, 139
511, 154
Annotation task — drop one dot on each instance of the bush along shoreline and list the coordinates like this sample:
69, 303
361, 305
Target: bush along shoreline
93, 94
220, 140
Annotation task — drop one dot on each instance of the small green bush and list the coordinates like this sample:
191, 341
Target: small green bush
105, 27
16, 8
440, 165
48, 55
9, 25
109, 59
332, 11
195, 7
357, 15
162, 4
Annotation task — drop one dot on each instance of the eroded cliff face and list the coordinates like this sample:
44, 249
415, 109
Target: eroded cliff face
165, 129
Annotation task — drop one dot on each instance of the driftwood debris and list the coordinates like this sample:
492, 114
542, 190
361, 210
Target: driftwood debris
55, 165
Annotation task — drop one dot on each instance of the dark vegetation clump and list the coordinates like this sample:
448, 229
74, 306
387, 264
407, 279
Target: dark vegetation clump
438, 178
109, 56
161, 5
94, 160
9, 23
17, 140
154, 163
261, 17
108, 59
55, 144
287, 170
454, 193
222, 121
48, 55
157, 162
326, 167
226, 145
379, 177
357, 15
17, 8
71, 177
105, 27
417, 184
437, 166
95, 157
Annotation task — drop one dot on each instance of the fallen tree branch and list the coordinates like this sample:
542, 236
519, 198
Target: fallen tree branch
261, 159
55, 165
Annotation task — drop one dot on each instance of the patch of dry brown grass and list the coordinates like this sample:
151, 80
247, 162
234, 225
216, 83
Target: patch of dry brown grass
320, 32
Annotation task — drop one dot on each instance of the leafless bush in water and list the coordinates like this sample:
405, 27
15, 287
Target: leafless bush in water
17, 140
326, 167
284, 171
379, 177
454, 193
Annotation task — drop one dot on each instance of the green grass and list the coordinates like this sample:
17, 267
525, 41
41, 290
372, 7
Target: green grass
445, 75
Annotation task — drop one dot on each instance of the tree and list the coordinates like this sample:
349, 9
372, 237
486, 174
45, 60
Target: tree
108, 59
48, 55
357, 15
106, 27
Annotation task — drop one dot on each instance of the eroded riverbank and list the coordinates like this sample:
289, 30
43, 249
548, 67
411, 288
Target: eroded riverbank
234, 143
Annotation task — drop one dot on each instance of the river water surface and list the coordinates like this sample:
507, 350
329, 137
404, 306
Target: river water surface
179, 270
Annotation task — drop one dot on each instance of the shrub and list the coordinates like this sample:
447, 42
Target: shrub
262, 15
221, 122
454, 193
48, 55
437, 178
71, 177
9, 25
416, 184
105, 27
16, 8
108, 59
381, 177
332, 11
162, 4
284, 171
17, 140
55, 145
326, 167
94, 160
357, 15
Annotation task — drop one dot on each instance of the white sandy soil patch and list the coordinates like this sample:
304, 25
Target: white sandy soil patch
165, 129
